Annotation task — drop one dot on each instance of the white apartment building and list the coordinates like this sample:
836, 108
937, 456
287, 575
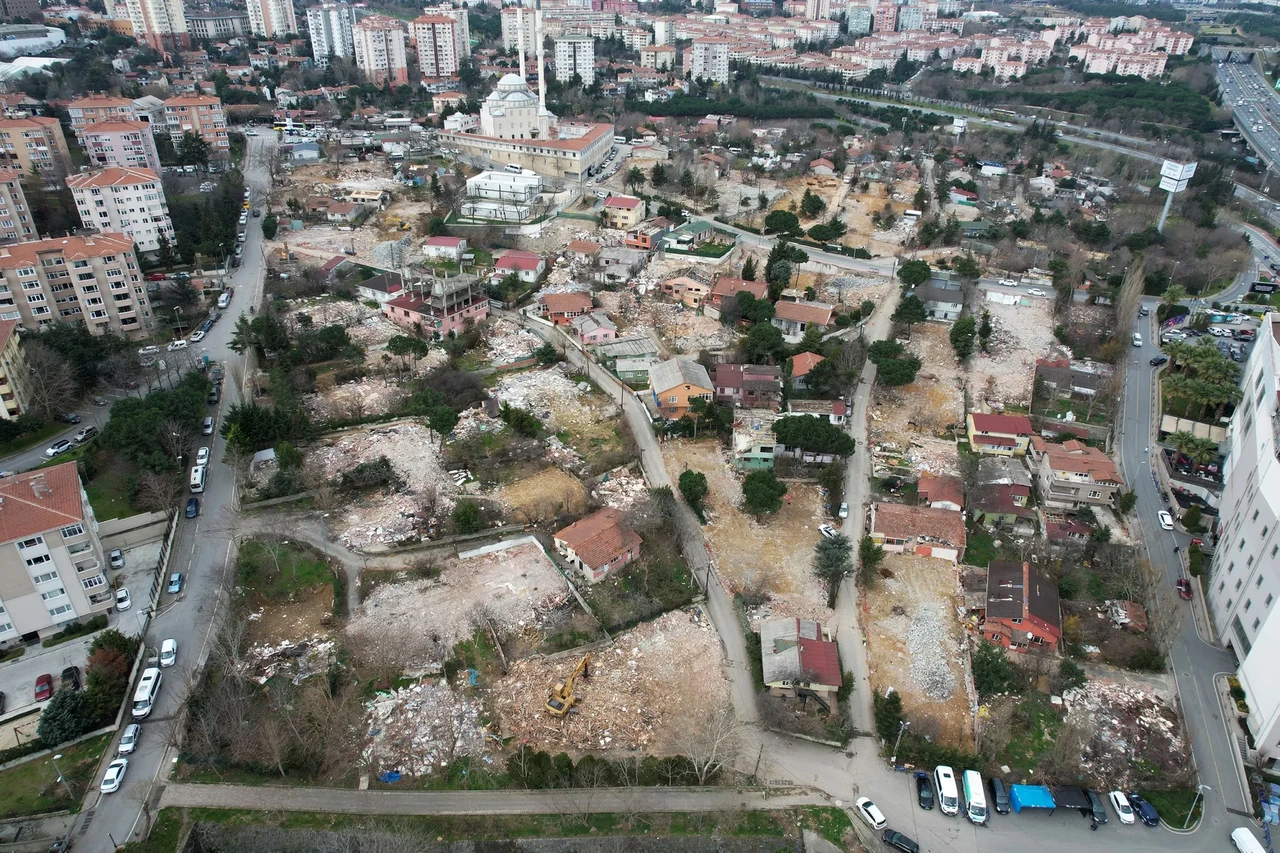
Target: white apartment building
1245, 580
576, 55
92, 281
664, 31
461, 29
437, 45
816, 10
160, 24
709, 60
331, 26
52, 569
517, 25
126, 144
272, 18
380, 50
15, 216
128, 201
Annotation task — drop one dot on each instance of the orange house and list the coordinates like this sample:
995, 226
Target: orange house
675, 384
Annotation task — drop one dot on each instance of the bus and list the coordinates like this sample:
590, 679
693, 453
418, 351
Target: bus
944, 779
197, 479
975, 799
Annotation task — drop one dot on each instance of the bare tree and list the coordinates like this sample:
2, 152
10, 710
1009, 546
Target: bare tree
159, 492
50, 382
995, 726
711, 739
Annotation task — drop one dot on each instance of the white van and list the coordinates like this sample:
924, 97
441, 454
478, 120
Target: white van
619, 140
514, 167
1245, 841
197, 479
224, 300
148, 688
975, 799
944, 779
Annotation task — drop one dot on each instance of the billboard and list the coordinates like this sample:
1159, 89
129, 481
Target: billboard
1174, 175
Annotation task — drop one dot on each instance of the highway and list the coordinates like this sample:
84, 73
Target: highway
202, 552
1256, 108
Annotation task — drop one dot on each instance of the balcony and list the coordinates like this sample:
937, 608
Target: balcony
88, 565
102, 601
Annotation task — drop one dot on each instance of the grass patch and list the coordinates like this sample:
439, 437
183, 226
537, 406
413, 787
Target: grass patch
641, 591
1056, 408
109, 496
33, 788
1174, 806
277, 570
165, 834
31, 439
473, 360
830, 822
979, 548
1034, 727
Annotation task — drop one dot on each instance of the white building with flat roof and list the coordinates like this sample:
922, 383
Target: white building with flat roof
509, 186
330, 26
575, 55
127, 201
709, 60
1245, 580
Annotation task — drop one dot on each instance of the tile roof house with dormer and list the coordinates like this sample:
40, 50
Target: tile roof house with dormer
999, 435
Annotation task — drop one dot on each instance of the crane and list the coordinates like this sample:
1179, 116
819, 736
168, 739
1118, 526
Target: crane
562, 698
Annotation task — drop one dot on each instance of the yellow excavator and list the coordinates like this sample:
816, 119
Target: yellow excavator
562, 698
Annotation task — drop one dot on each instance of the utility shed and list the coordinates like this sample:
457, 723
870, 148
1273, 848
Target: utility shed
1031, 797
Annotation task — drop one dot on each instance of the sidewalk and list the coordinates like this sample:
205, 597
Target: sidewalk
333, 800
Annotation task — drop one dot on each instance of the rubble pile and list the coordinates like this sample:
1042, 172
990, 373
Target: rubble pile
473, 422
787, 606
1020, 334
507, 342
639, 693
1130, 726
555, 399
422, 729
926, 639
418, 622
621, 491
296, 661
395, 253
852, 289
363, 397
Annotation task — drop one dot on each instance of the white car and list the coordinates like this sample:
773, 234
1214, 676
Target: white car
202, 456
148, 350
1035, 291
844, 511
1120, 803
114, 777
169, 652
129, 740
197, 337
177, 345
868, 811
251, 133
1166, 520
1008, 282
828, 531
123, 601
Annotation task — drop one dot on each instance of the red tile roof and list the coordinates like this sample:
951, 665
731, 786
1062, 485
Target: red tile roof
817, 313
728, 286
898, 521
599, 538
821, 657
804, 362
112, 177
39, 500
625, 202
941, 488
6, 329
566, 303
517, 260
72, 248
1007, 424
1078, 458
583, 247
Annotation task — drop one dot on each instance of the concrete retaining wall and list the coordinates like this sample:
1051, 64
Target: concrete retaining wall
125, 533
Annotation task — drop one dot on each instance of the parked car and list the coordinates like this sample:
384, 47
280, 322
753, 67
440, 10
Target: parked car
71, 677
999, 795
1035, 291
149, 350
44, 686
169, 652
197, 336
156, 276
177, 345
1097, 810
129, 740
207, 427
67, 418
117, 559
114, 777
175, 583
844, 510
123, 601
193, 507
869, 812
202, 456
828, 531
85, 434
1166, 520
1120, 803
256, 213
1144, 810
1184, 588
213, 396
58, 448
1159, 360
924, 791
898, 841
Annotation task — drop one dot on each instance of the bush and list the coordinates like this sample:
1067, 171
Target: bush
1147, 659
466, 517
76, 629
992, 671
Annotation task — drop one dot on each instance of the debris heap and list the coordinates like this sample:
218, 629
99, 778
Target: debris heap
422, 729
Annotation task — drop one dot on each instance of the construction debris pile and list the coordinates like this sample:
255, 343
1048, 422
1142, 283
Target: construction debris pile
354, 399
296, 661
507, 342
394, 254
853, 289
621, 491
926, 641
1127, 727
638, 695
416, 623
422, 729
558, 401
1020, 334
473, 422
389, 518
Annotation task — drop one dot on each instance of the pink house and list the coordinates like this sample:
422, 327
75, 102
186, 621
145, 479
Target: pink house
526, 265
594, 328
447, 307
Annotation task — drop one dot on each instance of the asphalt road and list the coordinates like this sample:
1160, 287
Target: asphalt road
202, 551
1253, 108
25, 460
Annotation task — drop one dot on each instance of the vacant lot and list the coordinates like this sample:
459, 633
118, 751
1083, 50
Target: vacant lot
584, 421
913, 642
772, 556
1020, 334
911, 419
550, 493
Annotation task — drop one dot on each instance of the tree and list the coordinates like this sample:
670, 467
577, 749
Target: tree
963, 332
816, 435
710, 739
762, 492
870, 556
193, 150
1071, 675
751, 309
910, 311
914, 273
686, 183
270, 224
466, 517
782, 221
898, 371
992, 672
50, 384
778, 276
811, 204
749, 270
635, 177
164, 251
967, 268
882, 351
63, 718
832, 563
658, 175
693, 485
762, 343
888, 714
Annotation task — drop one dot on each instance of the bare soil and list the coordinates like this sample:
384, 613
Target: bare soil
310, 613
549, 493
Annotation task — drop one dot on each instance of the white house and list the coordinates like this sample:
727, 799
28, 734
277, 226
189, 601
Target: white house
445, 248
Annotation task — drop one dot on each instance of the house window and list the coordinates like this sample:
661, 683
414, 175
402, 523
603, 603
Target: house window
1016, 621
1259, 583
95, 581
1095, 494
39, 559
1247, 604
72, 530
1267, 603
1238, 585
45, 578
53, 593
1256, 623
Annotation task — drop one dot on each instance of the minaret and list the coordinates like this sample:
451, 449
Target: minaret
542, 65
520, 38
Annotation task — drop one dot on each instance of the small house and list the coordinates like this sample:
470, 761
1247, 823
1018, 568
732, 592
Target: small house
796, 318
801, 364
598, 544
945, 302
728, 288
381, 288
594, 328
345, 212
623, 212
823, 167
1022, 608
676, 383
526, 265
444, 248
562, 308
999, 435
940, 491
920, 530
751, 386
835, 411
800, 660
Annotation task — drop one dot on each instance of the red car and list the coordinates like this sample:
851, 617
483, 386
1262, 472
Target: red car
1184, 588
44, 687
156, 276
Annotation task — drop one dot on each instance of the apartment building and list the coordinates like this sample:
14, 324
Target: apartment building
160, 24
461, 29
380, 50
123, 144
218, 25
93, 280
10, 9
664, 31
517, 27
35, 143
817, 9
437, 45
1245, 579
95, 109
575, 55
330, 26
272, 18
52, 569
201, 115
15, 216
1072, 474
126, 201
710, 60
13, 371
659, 57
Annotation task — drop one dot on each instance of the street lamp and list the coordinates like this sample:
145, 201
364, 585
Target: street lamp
893, 759
61, 778
1200, 789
